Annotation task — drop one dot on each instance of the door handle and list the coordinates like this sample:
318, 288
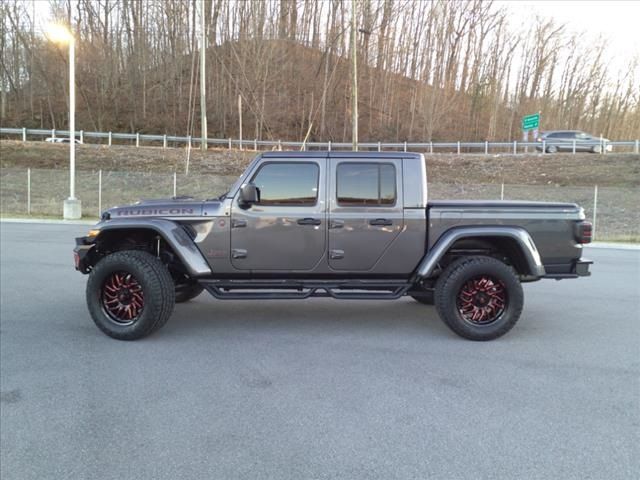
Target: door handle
336, 224
238, 223
336, 254
381, 222
238, 253
309, 221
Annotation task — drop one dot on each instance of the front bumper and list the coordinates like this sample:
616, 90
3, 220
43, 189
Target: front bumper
82, 254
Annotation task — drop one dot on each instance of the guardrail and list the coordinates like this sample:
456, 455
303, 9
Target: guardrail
515, 147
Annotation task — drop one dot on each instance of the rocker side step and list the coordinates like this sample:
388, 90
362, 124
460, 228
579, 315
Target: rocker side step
301, 289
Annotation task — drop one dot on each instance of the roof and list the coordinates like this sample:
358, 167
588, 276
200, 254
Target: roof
342, 154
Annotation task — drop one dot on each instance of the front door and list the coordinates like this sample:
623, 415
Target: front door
286, 229
365, 212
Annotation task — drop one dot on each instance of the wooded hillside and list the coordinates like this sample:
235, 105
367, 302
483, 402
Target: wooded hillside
428, 70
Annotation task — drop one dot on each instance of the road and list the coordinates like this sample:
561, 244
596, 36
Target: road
315, 389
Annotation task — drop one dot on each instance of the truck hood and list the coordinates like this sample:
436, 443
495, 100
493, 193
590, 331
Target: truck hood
171, 207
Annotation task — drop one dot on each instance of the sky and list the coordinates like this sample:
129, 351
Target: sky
617, 21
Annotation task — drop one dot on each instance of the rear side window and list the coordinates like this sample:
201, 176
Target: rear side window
566, 135
288, 183
366, 184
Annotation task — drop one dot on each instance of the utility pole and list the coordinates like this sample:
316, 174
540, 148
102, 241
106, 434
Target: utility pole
203, 78
240, 118
354, 80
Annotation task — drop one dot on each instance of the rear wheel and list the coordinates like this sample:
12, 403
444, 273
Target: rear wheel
130, 294
479, 298
596, 149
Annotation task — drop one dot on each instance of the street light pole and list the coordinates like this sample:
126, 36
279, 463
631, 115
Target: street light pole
72, 119
72, 208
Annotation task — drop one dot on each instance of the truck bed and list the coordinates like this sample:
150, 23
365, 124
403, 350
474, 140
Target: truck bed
552, 225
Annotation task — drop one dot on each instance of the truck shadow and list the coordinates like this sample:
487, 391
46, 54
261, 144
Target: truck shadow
326, 315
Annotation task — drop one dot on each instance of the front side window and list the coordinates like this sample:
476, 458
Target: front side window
366, 184
288, 183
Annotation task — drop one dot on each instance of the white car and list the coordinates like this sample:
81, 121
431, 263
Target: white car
61, 140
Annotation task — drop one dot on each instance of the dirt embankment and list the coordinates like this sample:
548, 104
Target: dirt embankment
16, 154
620, 170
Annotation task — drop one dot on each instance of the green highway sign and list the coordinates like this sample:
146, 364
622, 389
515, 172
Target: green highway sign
530, 122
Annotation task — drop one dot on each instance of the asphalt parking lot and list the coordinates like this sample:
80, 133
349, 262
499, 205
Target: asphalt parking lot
315, 389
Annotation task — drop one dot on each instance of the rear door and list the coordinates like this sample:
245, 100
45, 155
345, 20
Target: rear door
286, 230
365, 211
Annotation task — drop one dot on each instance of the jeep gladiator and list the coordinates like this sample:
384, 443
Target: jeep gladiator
345, 225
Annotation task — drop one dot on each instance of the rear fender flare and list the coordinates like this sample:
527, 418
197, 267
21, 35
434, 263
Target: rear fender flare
173, 234
443, 244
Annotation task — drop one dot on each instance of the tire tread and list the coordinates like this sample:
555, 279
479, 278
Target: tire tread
159, 286
451, 275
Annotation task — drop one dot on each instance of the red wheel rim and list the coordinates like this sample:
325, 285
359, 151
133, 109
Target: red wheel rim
482, 300
122, 298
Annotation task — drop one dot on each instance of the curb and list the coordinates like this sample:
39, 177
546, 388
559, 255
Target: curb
48, 221
613, 246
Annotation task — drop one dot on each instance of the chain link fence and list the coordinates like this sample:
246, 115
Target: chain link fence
40, 192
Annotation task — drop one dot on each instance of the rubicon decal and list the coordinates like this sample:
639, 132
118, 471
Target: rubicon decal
145, 212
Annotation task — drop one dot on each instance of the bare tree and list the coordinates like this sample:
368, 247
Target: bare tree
428, 70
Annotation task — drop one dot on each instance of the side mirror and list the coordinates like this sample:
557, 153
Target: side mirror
249, 194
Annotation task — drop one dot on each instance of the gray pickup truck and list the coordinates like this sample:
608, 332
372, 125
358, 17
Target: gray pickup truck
345, 225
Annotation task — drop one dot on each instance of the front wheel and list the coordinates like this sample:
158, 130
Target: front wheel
479, 298
130, 294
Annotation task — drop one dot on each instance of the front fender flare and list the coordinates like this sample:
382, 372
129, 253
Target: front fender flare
172, 233
519, 234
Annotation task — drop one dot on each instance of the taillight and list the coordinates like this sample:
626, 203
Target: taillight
584, 232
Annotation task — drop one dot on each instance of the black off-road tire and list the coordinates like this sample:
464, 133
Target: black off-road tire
427, 298
184, 293
157, 288
449, 296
